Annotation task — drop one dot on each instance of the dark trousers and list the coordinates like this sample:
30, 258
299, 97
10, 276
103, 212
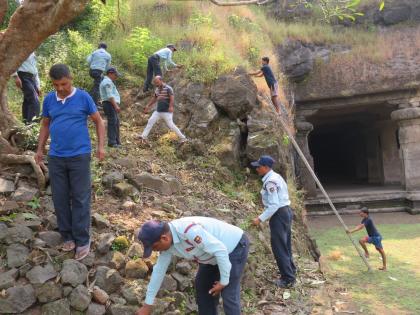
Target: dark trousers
153, 69
71, 194
30, 106
281, 242
96, 75
231, 294
113, 128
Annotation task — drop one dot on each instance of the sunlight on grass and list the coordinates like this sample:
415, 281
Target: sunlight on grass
391, 292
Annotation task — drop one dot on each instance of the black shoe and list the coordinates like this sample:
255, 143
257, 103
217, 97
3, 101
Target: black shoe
115, 146
284, 284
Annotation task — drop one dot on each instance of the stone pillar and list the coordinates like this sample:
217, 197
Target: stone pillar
408, 120
304, 177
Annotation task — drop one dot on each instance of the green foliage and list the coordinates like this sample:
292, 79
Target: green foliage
11, 8
8, 218
199, 19
142, 43
120, 243
29, 134
34, 204
243, 23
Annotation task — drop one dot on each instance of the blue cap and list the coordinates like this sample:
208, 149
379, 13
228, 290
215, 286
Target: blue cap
264, 160
149, 234
113, 70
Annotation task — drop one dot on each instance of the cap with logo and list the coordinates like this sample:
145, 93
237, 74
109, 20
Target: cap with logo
149, 234
264, 160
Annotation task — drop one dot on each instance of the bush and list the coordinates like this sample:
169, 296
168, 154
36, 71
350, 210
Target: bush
11, 8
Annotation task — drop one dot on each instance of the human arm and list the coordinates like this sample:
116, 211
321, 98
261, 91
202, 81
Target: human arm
258, 73
114, 104
18, 82
89, 59
169, 60
357, 228
44, 133
100, 134
272, 202
171, 103
150, 104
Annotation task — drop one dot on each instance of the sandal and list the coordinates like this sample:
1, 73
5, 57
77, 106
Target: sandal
68, 246
82, 252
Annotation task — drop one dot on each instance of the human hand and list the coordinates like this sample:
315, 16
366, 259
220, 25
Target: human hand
216, 289
18, 82
348, 231
39, 157
144, 310
145, 110
256, 221
39, 92
100, 154
179, 66
171, 109
117, 109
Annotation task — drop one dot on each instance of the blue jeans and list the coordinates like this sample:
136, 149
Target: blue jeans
96, 75
231, 294
71, 194
153, 69
281, 242
113, 127
30, 106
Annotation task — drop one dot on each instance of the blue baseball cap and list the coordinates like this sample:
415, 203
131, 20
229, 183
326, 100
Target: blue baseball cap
149, 234
264, 160
113, 70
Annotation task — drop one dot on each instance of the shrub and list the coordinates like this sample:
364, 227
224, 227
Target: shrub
11, 8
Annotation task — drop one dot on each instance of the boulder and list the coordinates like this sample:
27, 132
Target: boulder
203, 115
132, 294
95, 309
168, 284
235, 94
6, 186
117, 309
40, 275
99, 295
52, 221
73, 273
112, 178
184, 268
108, 279
18, 234
17, 299
99, 221
89, 260
183, 281
135, 250
8, 205
162, 186
59, 307
396, 14
297, 60
25, 193
17, 255
123, 190
105, 242
80, 298
118, 260
49, 292
7, 279
136, 269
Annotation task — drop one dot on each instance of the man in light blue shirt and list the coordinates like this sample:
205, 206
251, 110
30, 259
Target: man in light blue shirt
153, 64
98, 61
220, 249
27, 79
275, 198
111, 104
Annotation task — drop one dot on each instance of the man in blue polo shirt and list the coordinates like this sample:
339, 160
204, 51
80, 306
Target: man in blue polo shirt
98, 61
64, 117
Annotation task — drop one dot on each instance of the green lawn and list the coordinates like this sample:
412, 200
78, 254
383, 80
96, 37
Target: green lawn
396, 291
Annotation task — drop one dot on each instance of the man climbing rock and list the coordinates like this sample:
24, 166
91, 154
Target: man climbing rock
272, 83
98, 61
27, 79
111, 104
275, 197
164, 96
220, 249
153, 64
64, 117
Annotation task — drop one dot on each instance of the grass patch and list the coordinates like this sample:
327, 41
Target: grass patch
376, 292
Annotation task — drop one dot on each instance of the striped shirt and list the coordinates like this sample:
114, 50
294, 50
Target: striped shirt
163, 98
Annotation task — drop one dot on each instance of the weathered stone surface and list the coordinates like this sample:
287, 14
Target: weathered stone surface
128, 163
117, 309
155, 183
25, 193
6, 186
7, 279
136, 269
108, 279
80, 298
168, 284
51, 238
8, 205
396, 14
17, 299
132, 294
3, 231
135, 250
73, 272
60, 307
18, 234
105, 242
123, 189
52, 221
17, 255
99, 295
112, 178
183, 281
297, 60
49, 292
235, 94
183, 267
118, 260
40, 275
100, 221
204, 114
95, 309
117, 299
89, 260
67, 290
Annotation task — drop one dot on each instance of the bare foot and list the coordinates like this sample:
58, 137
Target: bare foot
382, 268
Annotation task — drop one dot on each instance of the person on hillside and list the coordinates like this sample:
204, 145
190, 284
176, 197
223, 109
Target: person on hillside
111, 104
374, 237
153, 64
164, 96
275, 197
220, 249
65, 114
272, 83
27, 79
98, 61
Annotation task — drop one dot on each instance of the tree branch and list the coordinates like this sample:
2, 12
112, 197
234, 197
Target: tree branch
237, 3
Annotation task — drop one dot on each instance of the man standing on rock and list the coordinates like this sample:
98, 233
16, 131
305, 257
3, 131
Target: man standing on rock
164, 96
64, 117
220, 249
276, 202
272, 83
99, 61
153, 64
